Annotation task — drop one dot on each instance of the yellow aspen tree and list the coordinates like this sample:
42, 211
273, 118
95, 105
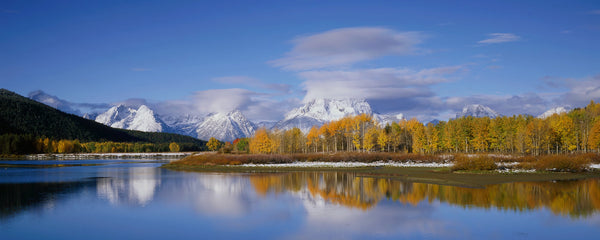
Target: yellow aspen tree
261, 143
213, 144
480, 133
312, 138
174, 147
383, 139
432, 136
370, 139
595, 136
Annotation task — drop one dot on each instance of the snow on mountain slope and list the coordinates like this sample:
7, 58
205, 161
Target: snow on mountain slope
477, 110
266, 124
141, 119
556, 110
384, 119
225, 126
184, 124
90, 116
319, 111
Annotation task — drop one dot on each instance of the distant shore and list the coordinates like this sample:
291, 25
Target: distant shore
438, 169
78, 156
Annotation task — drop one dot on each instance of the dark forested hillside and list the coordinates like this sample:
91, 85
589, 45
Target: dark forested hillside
23, 116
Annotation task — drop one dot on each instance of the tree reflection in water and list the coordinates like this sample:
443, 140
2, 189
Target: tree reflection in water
567, 198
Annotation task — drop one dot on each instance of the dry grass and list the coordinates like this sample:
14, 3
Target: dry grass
474, 163
237, 159
471, 162
562, 163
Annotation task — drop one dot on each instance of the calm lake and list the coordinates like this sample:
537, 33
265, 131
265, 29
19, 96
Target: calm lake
134, 199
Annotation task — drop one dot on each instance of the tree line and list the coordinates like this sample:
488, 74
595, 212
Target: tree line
575, 131
27, 144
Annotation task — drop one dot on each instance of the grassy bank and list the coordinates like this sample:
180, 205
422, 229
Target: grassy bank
478, 171
238, 159
443, 176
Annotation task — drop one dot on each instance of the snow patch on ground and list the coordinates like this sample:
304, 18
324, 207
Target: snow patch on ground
507, 164
516, 170
349, 164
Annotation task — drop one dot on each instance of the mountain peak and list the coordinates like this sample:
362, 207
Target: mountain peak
321, 110
556, 110
226, 126
141, 119
477, 110
328, 109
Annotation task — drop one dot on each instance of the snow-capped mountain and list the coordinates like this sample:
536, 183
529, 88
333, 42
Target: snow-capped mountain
556, 110
434, 122
183, 124
319, 111
477, 110
225, 126
384, 119
90, 116
266, 124
141, 119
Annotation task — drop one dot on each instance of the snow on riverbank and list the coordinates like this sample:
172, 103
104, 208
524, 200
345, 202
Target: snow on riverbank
70, 156
347, 164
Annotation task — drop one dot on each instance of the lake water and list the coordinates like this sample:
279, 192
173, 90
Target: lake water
133, 199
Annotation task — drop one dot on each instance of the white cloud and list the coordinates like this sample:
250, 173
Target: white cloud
500, 38
379, 83
253, 82
581, 91
254, 105
132, 102
222, 100
345, 46
530, 103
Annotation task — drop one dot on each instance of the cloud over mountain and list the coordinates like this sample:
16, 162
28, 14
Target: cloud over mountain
345, 46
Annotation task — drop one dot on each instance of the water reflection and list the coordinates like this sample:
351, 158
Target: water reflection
216, 194
158, 203
15, 198
572, 198
137, 186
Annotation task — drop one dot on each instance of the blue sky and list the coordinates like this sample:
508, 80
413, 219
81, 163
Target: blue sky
426, 59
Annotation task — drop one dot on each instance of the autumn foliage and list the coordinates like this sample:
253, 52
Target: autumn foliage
575, 132
568, 198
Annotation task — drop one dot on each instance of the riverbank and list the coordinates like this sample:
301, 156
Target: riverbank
80, 156
433, 175
414, 168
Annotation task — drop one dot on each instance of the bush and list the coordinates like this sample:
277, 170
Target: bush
237, 159
563, 163
474, 163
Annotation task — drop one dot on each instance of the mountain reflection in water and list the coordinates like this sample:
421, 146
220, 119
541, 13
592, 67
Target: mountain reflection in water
572, 198
126, 200
136, 187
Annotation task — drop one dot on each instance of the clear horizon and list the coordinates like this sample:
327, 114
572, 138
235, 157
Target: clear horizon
425, 60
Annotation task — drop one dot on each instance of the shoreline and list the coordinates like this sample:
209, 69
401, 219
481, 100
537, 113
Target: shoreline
431, 175
414, 168
82, 156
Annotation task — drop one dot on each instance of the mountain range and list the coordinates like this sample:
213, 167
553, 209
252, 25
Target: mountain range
227, 126
477, 110
24, 116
